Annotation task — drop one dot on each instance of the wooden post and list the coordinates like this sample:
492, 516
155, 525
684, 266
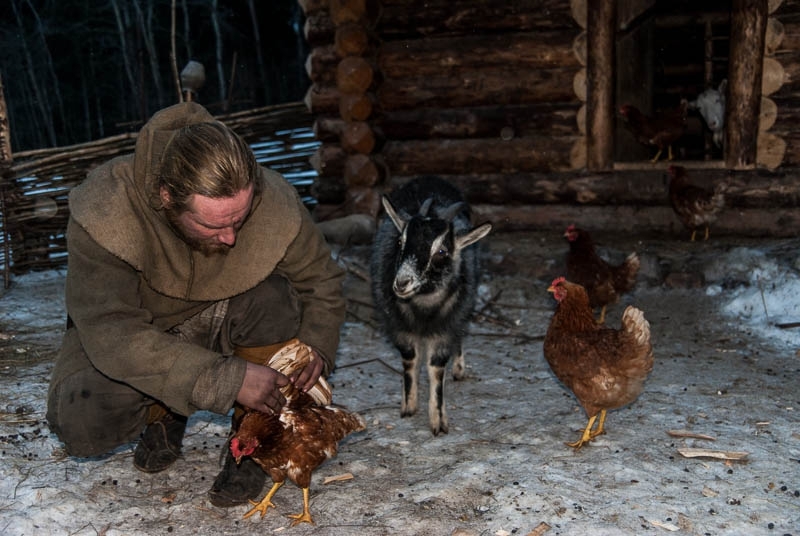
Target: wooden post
748, 28
600, 33
6, 159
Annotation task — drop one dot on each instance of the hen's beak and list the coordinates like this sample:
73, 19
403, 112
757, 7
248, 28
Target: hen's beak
551, 288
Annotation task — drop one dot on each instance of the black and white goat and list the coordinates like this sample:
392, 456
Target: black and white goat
424, 283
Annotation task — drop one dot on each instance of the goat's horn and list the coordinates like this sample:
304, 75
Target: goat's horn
450, 212
426, 206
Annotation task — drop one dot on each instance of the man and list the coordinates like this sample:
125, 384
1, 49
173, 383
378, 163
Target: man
183, 257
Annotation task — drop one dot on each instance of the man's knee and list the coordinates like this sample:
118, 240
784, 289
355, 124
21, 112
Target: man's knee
92, 415
266, 314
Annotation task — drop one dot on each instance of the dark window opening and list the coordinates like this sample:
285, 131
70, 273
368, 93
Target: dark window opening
665, 52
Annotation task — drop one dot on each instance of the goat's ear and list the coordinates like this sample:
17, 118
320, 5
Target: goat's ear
473, 236
425, 207
396, 219
723, 86
450, 213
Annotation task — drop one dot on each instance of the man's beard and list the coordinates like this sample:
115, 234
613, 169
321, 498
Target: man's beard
196, 244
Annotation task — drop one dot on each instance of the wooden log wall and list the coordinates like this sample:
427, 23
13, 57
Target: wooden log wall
494, 97
447, 100
780, 107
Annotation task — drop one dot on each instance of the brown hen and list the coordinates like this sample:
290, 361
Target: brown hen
604, 282
604, 368
299, 439
696, 207
660, 130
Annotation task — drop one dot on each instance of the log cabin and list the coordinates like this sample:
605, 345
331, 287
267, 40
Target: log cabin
516, 103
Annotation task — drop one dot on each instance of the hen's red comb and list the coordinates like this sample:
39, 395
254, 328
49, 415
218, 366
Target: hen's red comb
571, 227
558, 281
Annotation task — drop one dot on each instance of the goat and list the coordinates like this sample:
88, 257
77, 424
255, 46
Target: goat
424, 281
711, 105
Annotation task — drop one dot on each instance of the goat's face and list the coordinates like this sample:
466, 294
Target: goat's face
711, 105
427, 259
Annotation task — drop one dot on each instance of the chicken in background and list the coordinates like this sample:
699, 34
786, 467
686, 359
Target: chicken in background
695, 206
604, 368
604, 283
660, 130
299, 439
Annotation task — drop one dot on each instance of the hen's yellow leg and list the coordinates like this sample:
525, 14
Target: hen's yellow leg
587, 435
694, 233
600, 424
706, 238
305, 517
657, 156
602, 318
669, 152
265, 503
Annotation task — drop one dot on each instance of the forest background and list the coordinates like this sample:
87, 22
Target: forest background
79, 70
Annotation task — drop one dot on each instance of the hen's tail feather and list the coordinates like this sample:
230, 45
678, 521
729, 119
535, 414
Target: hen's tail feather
634, 322
625, 277
294, 356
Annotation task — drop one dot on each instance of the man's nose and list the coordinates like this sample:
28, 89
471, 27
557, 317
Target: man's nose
227, 236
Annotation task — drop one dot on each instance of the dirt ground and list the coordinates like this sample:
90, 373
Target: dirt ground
719, 382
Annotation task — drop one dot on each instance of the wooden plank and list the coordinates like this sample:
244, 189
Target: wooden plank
403, 18
452, 55
748, 28
601, 34
479, 88
540, 153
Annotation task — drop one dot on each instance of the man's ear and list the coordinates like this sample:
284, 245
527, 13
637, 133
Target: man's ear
166, 199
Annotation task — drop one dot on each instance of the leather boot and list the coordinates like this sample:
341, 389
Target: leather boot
237, 483
161, 441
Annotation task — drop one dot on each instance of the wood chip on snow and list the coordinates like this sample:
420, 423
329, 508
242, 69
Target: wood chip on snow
690, 434
539, 530
667, 526
708, 453
338, 478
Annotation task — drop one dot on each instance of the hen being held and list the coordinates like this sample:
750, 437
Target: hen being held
604, 368
299, 439
660, 130
695, 206
604, 283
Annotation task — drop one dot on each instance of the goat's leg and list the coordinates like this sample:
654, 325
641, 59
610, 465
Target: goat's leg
437, 412
459, 368
408, 406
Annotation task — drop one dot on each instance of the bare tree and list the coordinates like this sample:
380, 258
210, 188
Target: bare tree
126, 57
144, 19
41, 98
219, 50
262, 73
187, 41
52, 84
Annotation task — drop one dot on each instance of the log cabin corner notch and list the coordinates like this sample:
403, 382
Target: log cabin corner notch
654, 52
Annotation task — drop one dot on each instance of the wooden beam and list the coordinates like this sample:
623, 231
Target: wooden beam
748, 28
600, 33
453, 55
497, 86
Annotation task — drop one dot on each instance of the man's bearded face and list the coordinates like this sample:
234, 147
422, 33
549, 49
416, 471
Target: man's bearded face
210, 225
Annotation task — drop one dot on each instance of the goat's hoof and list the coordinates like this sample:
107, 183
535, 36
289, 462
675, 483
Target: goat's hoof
439, 430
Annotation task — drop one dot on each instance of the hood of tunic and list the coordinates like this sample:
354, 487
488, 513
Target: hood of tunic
119, 207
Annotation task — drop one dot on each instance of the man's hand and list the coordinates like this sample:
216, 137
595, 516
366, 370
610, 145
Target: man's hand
306, 378
261, 388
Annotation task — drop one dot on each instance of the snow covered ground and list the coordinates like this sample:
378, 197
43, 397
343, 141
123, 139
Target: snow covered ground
726, 377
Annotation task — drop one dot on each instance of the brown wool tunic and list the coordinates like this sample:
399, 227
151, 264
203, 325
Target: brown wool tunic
130, 278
